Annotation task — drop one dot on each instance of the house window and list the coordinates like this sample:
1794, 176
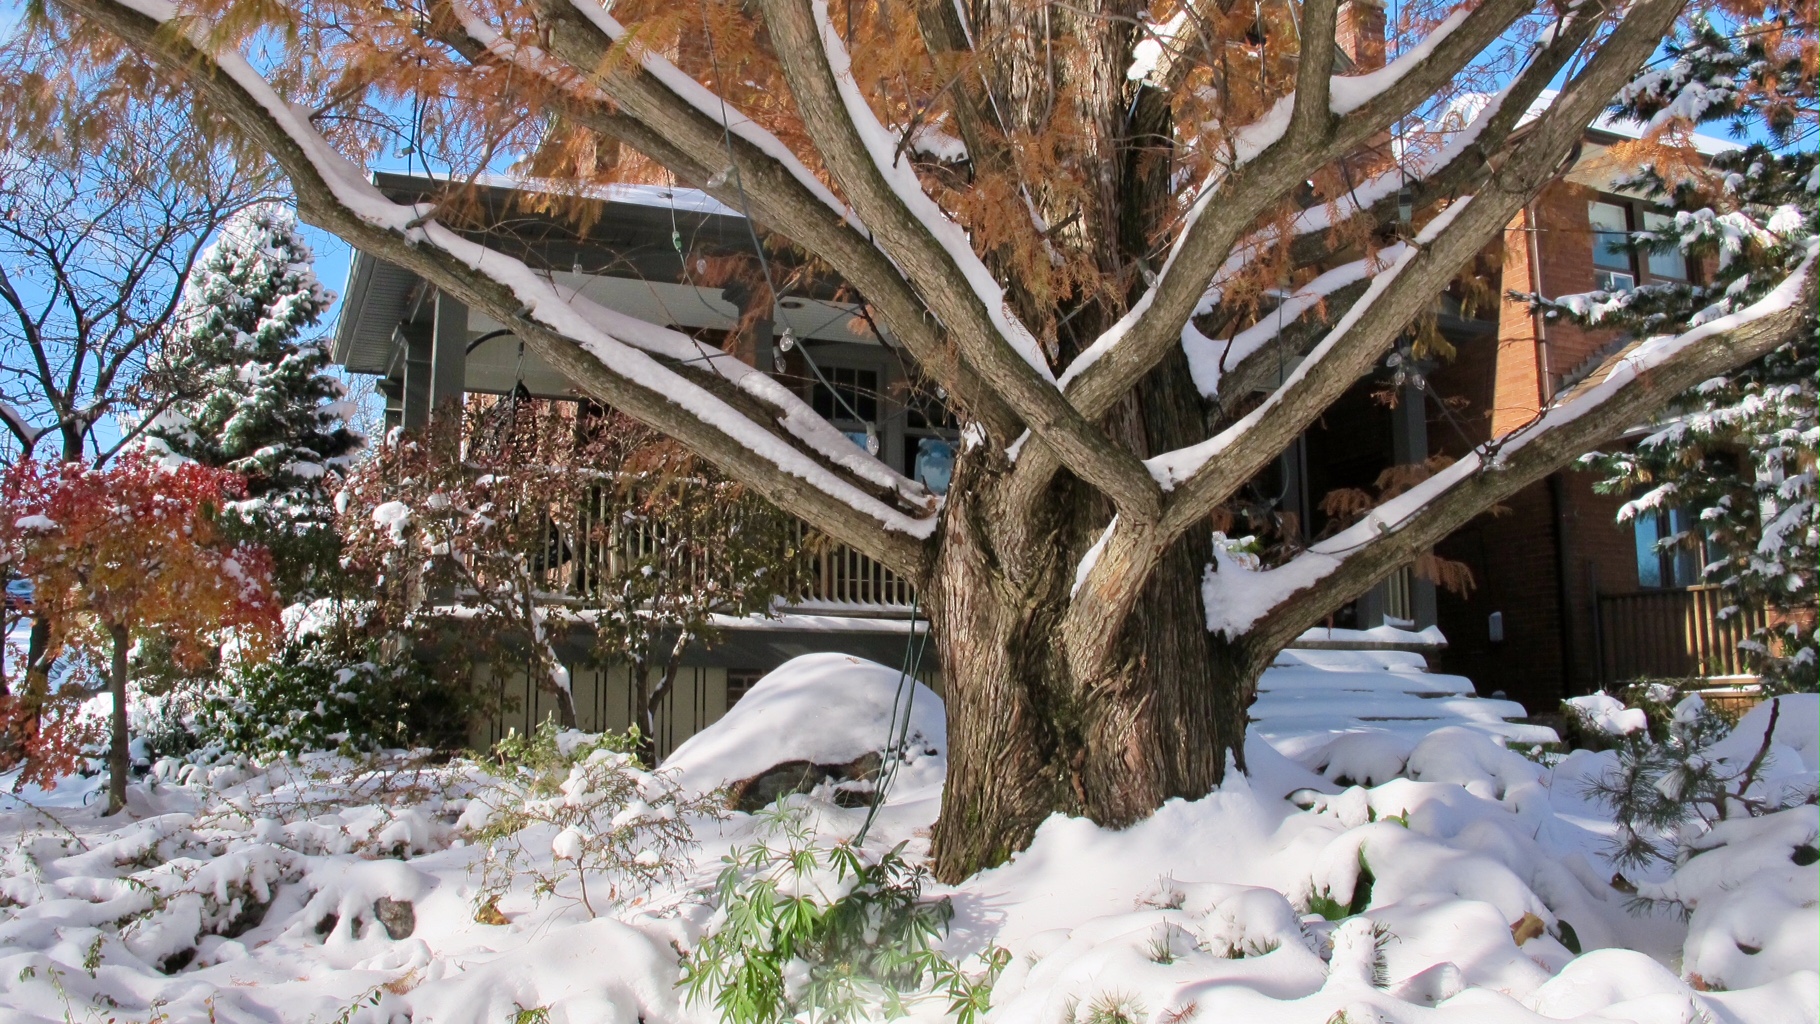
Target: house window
848, 398
1673, 568
1612, 268
740, 682
1672, 264
857, 391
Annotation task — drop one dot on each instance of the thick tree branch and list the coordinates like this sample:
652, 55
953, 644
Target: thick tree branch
1462, 166
1203, 476
1274, 606
624, 98
936, 256
1314, 72
613, 358
945, 37
1270, 163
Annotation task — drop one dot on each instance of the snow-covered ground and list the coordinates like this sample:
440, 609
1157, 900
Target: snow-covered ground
327, 892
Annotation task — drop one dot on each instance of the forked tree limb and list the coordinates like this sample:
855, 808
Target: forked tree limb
1202, 477
1462, 171
1399, 294
955, 292
1230, 206
331, 193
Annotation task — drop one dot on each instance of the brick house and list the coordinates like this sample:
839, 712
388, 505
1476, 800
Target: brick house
1560, 584
1567, 599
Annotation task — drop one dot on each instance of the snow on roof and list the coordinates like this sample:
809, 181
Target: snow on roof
666, 197
663, 197
1708, 145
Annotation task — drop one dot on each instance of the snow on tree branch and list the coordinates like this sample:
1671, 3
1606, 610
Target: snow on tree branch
1238, 598
578, 336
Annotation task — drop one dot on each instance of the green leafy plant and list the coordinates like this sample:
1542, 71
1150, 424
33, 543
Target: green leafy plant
312, 697
617, 830
829, 931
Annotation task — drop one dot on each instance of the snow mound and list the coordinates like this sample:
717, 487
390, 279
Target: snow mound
1607, 715
820, 708
1752, 887
562, 973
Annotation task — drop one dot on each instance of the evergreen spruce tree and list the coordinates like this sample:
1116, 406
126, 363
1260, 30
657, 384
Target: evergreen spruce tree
1738, 450
250, 391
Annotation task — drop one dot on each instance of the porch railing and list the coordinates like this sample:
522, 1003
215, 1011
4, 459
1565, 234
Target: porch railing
1672, 634
836, 578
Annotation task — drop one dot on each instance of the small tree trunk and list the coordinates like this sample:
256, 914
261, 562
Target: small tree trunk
644, 701
118, 764
21, 724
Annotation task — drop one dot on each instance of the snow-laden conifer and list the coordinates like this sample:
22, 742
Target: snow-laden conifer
252, 389
1735, 453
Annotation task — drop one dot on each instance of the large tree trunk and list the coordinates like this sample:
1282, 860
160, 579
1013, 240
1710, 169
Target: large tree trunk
1027, 737
1029, 734
118, 763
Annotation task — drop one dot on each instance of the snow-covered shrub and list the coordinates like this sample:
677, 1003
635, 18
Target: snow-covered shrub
1667, 794
1603, 721
231, 858
568, 805
312, 698
832, 930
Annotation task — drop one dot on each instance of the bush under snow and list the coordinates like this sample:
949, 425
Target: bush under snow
1466, 883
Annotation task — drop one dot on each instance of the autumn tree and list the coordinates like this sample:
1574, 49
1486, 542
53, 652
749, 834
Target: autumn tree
1070, 217
107, 196
130, 550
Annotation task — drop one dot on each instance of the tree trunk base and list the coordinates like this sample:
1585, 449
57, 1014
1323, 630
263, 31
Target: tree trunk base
1027, 738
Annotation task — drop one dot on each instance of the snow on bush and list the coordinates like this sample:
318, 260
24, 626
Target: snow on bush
1606, 716
568, 805
824, 709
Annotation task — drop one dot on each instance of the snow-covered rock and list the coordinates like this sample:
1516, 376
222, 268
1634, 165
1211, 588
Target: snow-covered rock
819, 709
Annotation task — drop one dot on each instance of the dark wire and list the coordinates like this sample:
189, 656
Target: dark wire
897, 732
745, 210
896, 735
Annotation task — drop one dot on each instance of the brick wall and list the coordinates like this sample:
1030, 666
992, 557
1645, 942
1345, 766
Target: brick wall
1359, 33
1556, 544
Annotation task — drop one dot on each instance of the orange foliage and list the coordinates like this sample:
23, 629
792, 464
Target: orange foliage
129, 546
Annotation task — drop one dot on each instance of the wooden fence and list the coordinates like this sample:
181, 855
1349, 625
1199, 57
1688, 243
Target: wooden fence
1672, 634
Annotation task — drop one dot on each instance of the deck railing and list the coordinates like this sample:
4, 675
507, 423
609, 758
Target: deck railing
836, 577
1672, 634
